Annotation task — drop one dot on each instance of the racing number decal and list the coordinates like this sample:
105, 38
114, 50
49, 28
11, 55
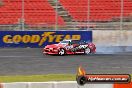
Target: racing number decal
82, 46
69, 47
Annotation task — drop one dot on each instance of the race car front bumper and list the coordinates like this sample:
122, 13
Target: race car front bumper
50, 51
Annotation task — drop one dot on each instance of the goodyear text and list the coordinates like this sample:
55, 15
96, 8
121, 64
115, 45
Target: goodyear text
39, 39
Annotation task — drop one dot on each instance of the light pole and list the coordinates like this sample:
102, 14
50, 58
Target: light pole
56, 16
22, 18
88, 14
121, 14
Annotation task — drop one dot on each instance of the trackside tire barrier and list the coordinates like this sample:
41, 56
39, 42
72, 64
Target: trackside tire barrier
63, 84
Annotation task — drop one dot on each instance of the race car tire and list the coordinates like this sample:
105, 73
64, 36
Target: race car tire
61, 52
87, 51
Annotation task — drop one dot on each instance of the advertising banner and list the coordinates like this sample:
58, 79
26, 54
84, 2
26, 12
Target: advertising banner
37, 39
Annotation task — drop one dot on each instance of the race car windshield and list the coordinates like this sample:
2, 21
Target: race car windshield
64, 42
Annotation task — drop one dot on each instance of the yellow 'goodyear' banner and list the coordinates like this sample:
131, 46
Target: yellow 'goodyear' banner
40, 38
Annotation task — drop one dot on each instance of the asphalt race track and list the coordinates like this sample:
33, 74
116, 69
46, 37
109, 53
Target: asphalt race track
27, 61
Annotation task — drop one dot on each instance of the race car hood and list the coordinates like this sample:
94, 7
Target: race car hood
55, 45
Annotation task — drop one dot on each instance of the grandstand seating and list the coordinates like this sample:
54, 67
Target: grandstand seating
100, 10
36, 12
41, 12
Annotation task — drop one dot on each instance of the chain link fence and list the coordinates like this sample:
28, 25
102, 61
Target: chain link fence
66, 14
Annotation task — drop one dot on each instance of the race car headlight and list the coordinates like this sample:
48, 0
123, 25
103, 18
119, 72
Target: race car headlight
55, 49
51, 48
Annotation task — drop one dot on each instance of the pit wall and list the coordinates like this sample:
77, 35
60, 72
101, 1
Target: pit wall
63, 84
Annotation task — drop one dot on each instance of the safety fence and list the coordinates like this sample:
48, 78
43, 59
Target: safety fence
63, 14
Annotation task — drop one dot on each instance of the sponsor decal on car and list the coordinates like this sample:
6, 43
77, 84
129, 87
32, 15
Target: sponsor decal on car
79, 47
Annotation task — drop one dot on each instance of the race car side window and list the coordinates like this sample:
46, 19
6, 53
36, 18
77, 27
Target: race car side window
70, 43
75, 42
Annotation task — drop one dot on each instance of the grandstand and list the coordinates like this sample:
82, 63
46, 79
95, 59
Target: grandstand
65, 14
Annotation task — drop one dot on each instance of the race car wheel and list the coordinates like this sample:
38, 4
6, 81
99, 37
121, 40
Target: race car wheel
87, 51
61, 52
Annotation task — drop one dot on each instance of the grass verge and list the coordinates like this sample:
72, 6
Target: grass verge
38, 78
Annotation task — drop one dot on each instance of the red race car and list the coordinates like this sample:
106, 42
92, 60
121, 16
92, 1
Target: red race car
70, 47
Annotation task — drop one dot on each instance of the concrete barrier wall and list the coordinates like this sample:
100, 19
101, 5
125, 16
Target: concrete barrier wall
112, 37
15, 85
63, 84
66, 84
